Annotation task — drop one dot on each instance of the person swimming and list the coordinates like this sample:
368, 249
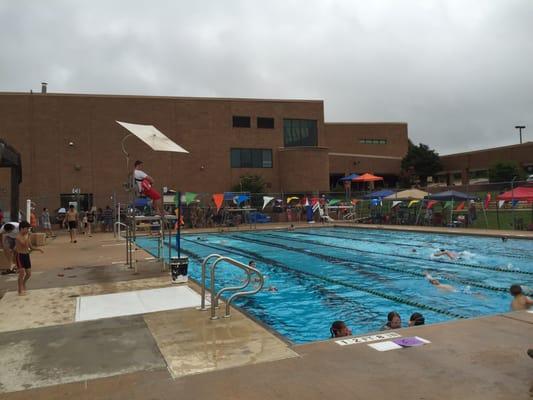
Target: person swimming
339, 329
520, 300
416, 319
437, 284
443, 252
394, 321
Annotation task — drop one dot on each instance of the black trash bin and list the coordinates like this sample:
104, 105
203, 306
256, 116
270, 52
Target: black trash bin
179, 267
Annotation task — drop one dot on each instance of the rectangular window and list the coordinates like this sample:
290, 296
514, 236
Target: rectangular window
251, 158
241, 121
300, 132
265, 123
373, 141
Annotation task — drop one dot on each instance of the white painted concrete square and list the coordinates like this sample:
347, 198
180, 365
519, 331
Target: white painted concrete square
136, 302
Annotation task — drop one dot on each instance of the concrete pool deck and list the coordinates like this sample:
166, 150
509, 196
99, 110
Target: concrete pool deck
181, 353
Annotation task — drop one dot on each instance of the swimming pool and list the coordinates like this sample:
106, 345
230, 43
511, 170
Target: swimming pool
359, 275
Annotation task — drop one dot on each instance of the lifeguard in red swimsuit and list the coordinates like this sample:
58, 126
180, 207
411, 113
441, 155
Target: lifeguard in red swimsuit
144, 183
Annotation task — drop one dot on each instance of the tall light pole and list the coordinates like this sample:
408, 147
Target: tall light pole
520, 127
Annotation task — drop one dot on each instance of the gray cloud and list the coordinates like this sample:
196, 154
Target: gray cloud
459, 72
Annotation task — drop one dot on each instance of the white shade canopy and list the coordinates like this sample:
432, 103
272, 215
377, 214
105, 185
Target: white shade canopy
150, 135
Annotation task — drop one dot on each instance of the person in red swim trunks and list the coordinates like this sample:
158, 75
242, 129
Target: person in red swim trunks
144, 183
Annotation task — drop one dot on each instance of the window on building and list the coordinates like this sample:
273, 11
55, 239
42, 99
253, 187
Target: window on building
373, 141
265, 123
241, 121
251, 158
300, 132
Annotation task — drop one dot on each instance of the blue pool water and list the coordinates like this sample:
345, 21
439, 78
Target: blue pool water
359, 275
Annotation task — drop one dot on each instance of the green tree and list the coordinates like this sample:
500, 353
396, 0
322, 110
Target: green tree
421, 161
250, 183
505, 171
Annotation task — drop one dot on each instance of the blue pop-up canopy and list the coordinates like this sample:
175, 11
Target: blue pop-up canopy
379, 194
350, 177
451, 195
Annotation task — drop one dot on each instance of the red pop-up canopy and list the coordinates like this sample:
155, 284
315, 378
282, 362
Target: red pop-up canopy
522, 193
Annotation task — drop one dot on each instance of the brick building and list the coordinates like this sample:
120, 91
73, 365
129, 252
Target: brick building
71, 142
473, 166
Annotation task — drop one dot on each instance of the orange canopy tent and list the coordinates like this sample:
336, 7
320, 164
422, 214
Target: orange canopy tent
367, 177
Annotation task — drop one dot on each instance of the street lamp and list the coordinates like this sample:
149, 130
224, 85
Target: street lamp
520, 127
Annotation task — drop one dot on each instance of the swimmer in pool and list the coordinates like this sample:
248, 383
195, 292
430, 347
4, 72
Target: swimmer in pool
443, 252
339, 329
272, 289
438, 285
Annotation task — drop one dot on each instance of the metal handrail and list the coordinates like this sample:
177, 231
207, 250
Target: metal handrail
245, 293
204, 266
246, 268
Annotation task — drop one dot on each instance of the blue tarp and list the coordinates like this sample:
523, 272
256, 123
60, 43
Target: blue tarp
379, 194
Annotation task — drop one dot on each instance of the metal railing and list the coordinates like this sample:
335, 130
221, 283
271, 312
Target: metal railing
250, 272
130, 257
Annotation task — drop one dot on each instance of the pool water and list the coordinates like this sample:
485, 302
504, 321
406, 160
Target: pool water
359, 275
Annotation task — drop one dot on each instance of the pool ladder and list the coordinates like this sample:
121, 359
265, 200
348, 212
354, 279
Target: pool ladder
216, 260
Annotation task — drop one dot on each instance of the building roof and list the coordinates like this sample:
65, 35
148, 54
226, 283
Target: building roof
48, 94
512, 146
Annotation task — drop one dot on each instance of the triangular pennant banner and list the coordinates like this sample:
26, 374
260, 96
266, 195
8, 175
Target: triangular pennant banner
431, 203
487, 200
266, 200
242, 198
189, 197
289, 199
332, 202
395, 203
218, 198
447, 204
354, 201
514, 203
412, 202
501, 203
460, 206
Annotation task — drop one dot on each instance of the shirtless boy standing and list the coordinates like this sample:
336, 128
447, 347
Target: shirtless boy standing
22, 251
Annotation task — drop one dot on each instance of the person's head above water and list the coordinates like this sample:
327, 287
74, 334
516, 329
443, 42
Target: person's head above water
394, 320
339, 329
251, 263
416, 319
515, 290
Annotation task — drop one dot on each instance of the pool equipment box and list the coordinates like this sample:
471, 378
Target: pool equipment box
179, 267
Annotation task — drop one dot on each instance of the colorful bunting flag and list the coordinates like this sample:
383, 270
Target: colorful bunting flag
431, 203
266, 200
242, 198
514, 202
218, 198
460, 206
396, 202
412, 202
447, 204
332, 202
289, 199
189, 197
487, 200
501, 203
354, 202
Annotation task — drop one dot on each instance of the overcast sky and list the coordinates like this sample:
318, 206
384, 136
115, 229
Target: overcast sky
459, 72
